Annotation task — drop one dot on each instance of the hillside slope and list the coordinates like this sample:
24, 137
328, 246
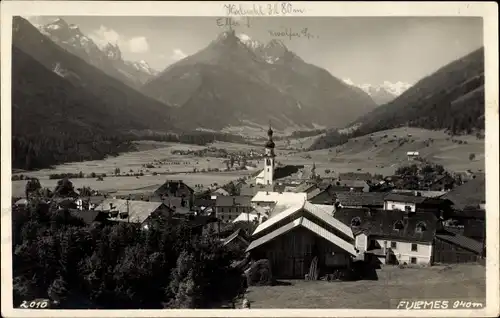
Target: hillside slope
452, 98
230, 83
126, 106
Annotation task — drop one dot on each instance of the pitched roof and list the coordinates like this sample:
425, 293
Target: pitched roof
138, 211
232, 201
88, 216
305, 187
274, 197
378, 222
427, 194
462, 241
234, 235
314, 193
316, 211
221, 191
353, 183
311, 226
355, 176
245, 217
361, 198
471, 193
405, 198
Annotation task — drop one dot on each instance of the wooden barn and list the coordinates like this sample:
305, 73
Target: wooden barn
452, 248
293, 238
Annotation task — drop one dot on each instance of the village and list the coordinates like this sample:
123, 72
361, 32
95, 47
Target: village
288, 222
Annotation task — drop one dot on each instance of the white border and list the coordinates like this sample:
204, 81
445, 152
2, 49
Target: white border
487, 10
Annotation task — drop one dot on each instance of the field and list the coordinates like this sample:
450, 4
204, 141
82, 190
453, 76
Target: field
384, 151
380, 153
174, 167
463, 282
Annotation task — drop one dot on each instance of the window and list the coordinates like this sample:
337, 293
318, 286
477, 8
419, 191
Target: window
421, 227
414, 247
393, 207
398, 225
394, 245
407, 208
356, 221
413, 260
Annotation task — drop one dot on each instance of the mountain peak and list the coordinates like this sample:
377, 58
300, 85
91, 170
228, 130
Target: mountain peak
227, 35
112, 51
57, 24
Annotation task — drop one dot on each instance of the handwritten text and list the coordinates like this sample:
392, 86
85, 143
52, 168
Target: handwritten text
291, 34
256, 9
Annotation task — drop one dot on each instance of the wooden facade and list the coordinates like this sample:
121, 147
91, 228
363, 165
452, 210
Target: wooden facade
447, 253
291, 254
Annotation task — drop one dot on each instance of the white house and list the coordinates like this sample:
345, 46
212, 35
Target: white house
412, 155
408, 203
406, 237
271, 199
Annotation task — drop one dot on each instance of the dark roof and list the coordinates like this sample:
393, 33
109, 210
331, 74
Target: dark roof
233, 201
355, 176
88, 216
169, 183
381, 223
361, 198
235, 234
462, 241
204, 202
201, 220
469, 194
353, 183
469, 213
405, 198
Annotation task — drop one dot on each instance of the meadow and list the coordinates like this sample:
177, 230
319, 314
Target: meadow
456, 282
379, 153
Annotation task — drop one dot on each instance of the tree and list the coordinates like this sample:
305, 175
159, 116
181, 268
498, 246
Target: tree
117, 171
32, 186
472, 156
64, 188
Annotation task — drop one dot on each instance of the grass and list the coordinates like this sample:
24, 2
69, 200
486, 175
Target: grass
379, 153
462, 282
382, 153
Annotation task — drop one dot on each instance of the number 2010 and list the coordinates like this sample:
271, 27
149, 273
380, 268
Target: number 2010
34, 304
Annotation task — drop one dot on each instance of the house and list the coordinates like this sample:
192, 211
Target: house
360, 199
203, 205
305, 187
392, 236
469, 222
321, 196
271, 199
89, 203
412, 155
237, 240
89, 216
249, 217
441, 183
411, 203
366, 176
291, 239
138, 212
179, 205
220, 191
177, 189
470, 194
450, 247
354, 185
21, 203
228, 208
427, 194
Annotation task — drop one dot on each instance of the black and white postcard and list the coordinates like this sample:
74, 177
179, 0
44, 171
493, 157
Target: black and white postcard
262, 159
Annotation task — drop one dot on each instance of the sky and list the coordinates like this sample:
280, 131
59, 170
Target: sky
366, 50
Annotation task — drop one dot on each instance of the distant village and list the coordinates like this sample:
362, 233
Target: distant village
308, 226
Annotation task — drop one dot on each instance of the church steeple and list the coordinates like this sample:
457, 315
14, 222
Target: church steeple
270, 143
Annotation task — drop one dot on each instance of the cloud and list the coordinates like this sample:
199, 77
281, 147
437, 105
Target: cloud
138, 44
105, 35
244, 37
178, 55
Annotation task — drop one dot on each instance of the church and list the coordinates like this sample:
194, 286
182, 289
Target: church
266, 176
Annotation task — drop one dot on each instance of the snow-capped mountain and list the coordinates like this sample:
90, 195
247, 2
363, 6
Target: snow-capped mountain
235, 81
108, 57
384, 93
